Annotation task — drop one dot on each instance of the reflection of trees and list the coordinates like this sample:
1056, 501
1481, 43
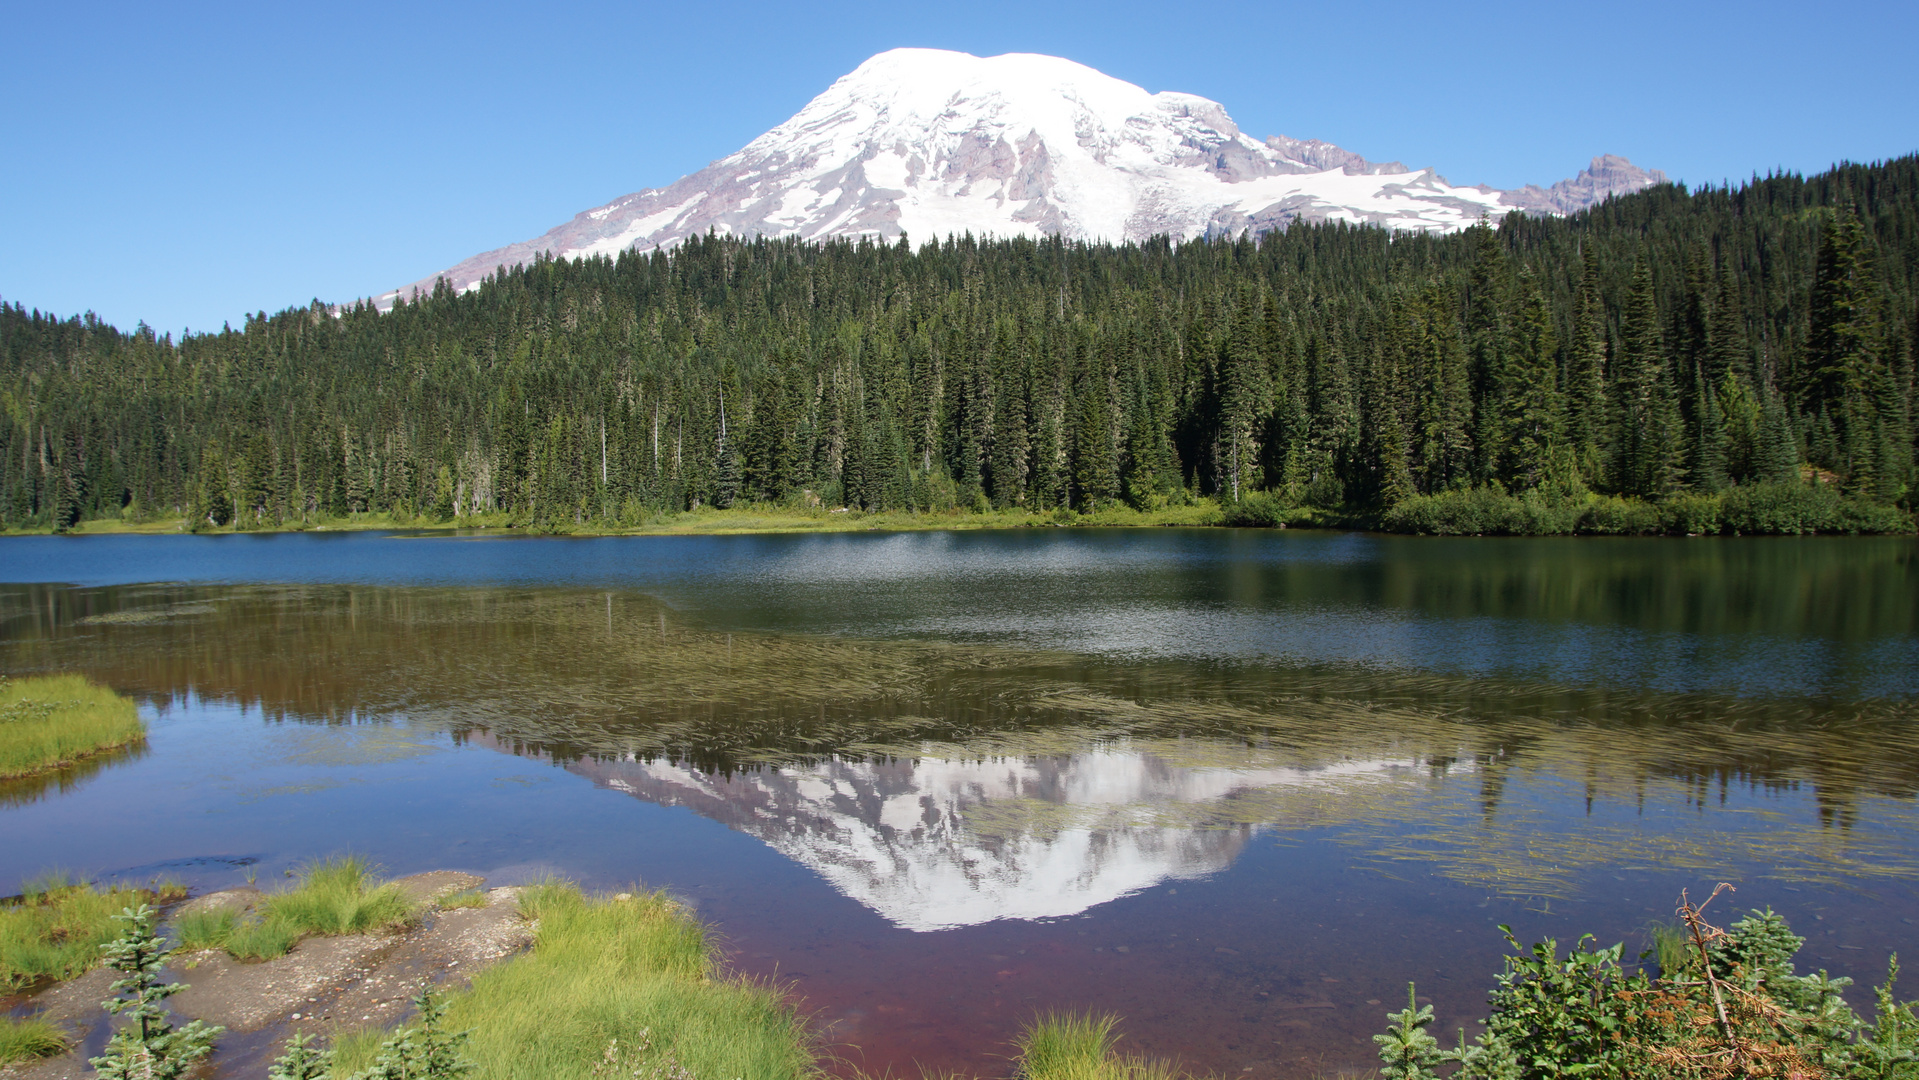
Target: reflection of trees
592, 675
1838, 588
21, 790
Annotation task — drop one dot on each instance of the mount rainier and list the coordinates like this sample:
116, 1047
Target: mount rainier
930, 143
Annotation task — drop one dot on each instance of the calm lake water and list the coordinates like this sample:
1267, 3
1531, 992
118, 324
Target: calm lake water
1238, 787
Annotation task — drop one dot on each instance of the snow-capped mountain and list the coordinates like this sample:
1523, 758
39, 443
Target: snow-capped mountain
931, 143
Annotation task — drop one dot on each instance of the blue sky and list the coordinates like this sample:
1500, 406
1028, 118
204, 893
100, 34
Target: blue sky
184, 164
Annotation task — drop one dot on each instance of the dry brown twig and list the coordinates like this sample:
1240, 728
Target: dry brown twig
1728, 1053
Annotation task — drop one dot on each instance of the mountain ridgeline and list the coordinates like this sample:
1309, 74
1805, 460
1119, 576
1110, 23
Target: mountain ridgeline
1739, 354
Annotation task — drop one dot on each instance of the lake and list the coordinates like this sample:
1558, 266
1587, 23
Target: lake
1239, 787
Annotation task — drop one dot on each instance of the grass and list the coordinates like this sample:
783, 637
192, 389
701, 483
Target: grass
26, 1040
1671, 948
335, 896
629, 981
470, 898
1080, 1046
759, 517
57, 927
50, 720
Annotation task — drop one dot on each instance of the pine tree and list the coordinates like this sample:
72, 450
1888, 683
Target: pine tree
1586, 411
1442, 448
1486, 336
1650, 445
301, 1061
1244, 398
146, 1046
1533, 414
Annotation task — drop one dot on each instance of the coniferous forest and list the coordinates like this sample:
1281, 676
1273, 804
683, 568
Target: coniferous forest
1727, 358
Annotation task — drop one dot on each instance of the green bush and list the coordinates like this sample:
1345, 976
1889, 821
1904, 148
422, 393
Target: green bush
1792, 509
1787, 509
1613, 516
262, 939
1262, 510
1724, 1005
1693, 515
197, 930
1482, 511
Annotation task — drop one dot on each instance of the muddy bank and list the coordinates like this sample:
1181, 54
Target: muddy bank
324, 985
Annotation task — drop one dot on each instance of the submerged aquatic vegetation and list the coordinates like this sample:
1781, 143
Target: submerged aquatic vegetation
632, 977
51, 720
1472, 776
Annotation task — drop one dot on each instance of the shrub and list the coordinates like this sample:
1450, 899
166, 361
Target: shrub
1792, 509
1725, 1004
1692, 515
421, 1051
1788, 509
1614, 516
1259, 510
1485, 511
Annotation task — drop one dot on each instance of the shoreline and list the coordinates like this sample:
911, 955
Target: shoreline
703, 522
1776, 510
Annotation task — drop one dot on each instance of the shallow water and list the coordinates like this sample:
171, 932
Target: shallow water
1239, 787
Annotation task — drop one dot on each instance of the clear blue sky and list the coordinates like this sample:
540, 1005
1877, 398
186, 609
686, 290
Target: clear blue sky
187, 163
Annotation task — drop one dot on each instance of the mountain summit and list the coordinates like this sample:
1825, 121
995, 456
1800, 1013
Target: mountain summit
929, 143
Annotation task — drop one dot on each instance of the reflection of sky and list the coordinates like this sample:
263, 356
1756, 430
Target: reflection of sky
901, 837
1747, 617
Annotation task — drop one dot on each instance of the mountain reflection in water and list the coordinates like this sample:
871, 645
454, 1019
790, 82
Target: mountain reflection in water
943, 784
936, 843
1237, 787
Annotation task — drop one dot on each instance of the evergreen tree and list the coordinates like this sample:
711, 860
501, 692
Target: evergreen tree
1533, 414
146, 1046
1650, 447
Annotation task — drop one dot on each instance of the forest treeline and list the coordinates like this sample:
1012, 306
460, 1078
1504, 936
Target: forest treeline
1730, 347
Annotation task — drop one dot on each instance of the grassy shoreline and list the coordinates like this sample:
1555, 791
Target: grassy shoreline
47, 721
707, 521
1755, 509
622, 985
